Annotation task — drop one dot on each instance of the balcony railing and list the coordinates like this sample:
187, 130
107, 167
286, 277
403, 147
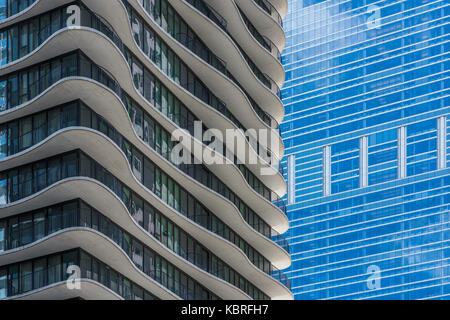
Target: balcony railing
280, 276
270, 9
208, 11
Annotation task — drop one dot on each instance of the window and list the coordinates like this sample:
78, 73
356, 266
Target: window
69, 115
2, 236
69, 66
40, 176
54, 121
183, 244
149, 174
54, 269
54, 171
26, 229
126, 244
68, 259
3, 48
13, 39
85, 265
3, 95
39, 275
26, 277
45, 76
158, 226
137, 164
45, 27
39, 127
69, 165
25, 182
13, 91
126, 289
39, 225
13, 279
138, 251
69, 212
137, 209
149, 262
33, 34
54, 219
23, 87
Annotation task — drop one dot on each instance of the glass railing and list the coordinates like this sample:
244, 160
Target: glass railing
281, 277
281, 241
190, 43
279, 202
270, 9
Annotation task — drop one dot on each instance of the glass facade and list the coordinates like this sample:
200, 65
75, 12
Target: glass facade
367, 148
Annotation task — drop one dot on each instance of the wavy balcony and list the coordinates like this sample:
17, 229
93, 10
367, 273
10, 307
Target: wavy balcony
112, 84
77, 214
50, 147
262, 51
239, 64
59, 137
46, 278
105, 201
228, 90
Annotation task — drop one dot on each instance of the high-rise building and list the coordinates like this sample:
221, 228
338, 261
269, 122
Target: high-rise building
95, 98
367, 143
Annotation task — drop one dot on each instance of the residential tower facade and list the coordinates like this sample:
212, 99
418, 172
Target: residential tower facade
93, 203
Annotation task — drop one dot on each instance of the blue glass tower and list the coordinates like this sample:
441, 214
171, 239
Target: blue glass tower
367, 136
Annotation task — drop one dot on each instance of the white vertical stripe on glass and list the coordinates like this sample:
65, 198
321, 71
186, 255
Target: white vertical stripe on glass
402, 152
326, 170
291, 179
442, 142
363, 161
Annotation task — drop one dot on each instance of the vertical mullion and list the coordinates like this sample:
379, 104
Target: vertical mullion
402, 152
363, 160
442, 139
327, 170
